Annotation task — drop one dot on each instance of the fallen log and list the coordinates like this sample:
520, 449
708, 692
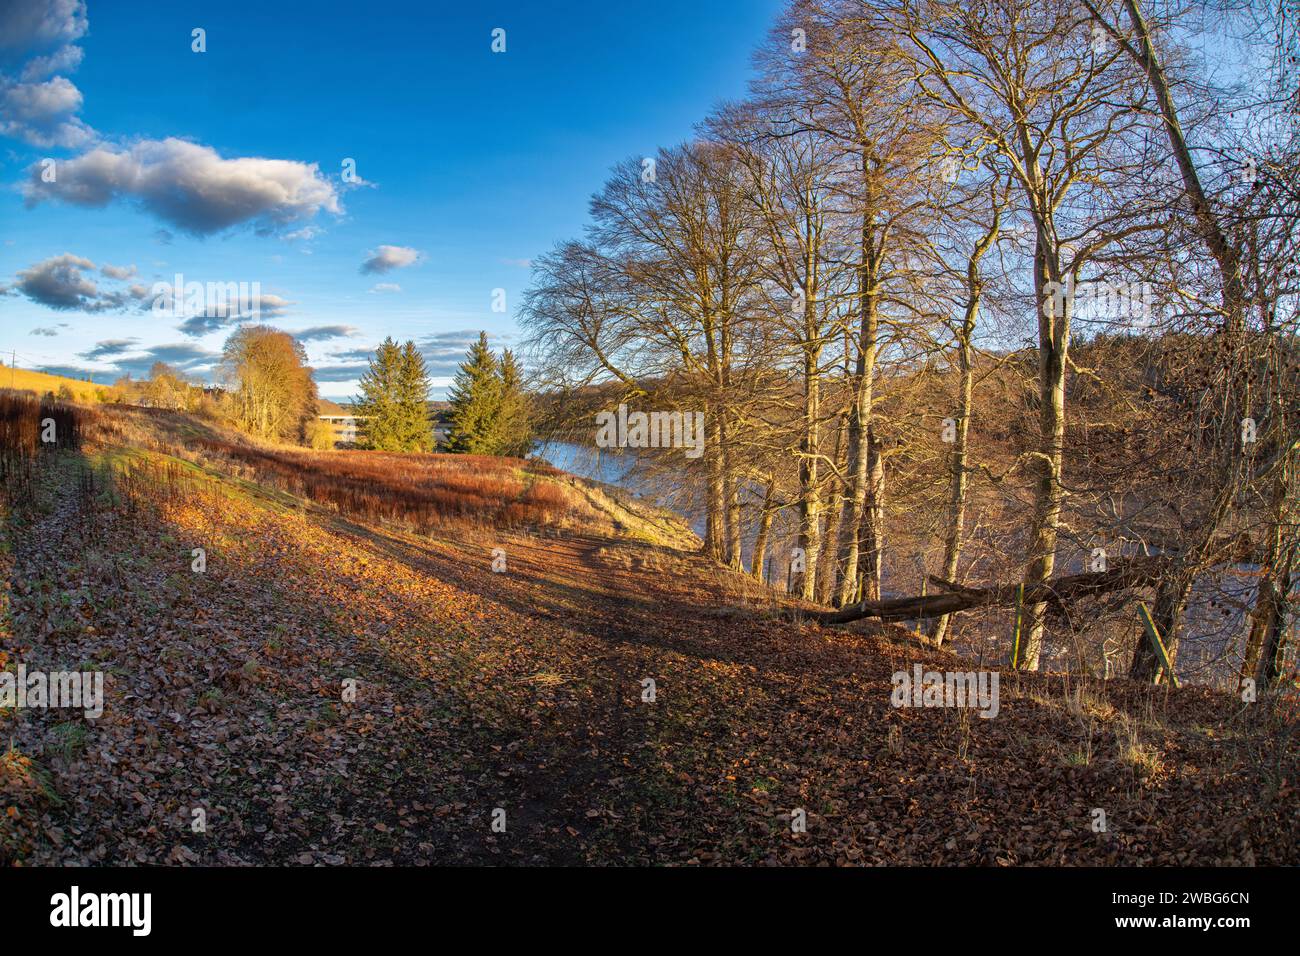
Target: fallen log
1123, 573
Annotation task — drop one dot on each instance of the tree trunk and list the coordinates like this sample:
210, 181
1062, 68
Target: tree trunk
715, 503
735, 529
1275, 639
871, 548
734, 524
860, 411
810, 505
828, 558
1268, 620
854, 498
1167, 615
958, 482
1053, 343
1172, 596
1126, 573
957, 469
1262, 619
764, 530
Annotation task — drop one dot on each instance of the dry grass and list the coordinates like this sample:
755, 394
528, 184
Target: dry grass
1133, 751
23, 424
40, 383
422, 492
414, 492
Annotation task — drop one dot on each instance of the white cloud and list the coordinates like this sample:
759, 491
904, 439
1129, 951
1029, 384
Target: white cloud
36, 110
218, 313
61, 282
63, 60
379, 288
319, 333
42, 113
117, 272
182, 355
108, 348
40, 102
386, 258
25, 24
192, 187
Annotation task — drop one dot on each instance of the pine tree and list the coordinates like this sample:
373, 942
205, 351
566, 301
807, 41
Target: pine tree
515, 420
379, 399
413, 401
475, 403
395, 399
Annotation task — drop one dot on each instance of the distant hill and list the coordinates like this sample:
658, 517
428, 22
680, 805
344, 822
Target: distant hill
325, 407
437, 410
25, 380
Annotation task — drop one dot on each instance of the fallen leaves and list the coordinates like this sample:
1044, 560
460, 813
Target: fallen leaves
523, 691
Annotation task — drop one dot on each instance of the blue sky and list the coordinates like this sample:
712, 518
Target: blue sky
226, 166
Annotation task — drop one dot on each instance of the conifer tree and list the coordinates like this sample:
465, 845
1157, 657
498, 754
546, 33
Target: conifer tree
515, 427
379, 399
394, 399
476, 403
414, 428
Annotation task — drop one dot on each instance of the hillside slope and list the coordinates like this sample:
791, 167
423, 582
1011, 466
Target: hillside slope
523, 689
40, 383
